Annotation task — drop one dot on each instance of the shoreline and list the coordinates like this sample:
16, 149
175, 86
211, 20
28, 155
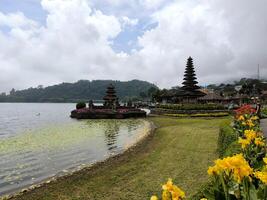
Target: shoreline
88, 169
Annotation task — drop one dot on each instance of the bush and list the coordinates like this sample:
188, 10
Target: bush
232, 149
80, 105
226, 137
204, 191
219, 114
242, 171
264, 113
192, 106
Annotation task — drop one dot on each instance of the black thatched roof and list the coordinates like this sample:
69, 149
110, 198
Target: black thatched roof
184, 93
211, 96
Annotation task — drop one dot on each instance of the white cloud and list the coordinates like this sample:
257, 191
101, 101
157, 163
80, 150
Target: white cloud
151, 4
226, 42
74, 44
226, 39
126, 21
15, 20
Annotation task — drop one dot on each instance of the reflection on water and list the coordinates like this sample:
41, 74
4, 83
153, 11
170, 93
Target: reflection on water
111, 134
41, 150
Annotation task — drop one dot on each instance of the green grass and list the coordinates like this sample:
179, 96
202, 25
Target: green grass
180, 148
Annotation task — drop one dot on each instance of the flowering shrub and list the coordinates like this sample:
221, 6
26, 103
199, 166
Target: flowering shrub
246, 119
262, 176
238, 177
245, 110
170, 192
232, 177
253, 147
242, 176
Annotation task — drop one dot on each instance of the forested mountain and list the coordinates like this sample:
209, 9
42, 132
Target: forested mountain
82, 90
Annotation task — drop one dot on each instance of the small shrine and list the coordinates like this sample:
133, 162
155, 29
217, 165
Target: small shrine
111, 109
111, 100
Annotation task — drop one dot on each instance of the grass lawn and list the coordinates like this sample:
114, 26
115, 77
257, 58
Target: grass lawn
181, 149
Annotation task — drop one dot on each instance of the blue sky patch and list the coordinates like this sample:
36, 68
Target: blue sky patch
31, 8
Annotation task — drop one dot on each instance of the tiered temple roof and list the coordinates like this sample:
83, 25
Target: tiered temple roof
111, 97
190, 87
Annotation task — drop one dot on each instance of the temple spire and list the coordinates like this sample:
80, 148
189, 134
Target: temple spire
111, 97
190, 83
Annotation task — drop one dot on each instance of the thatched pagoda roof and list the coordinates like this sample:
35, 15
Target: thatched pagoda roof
110, 93
186, 93
211, 96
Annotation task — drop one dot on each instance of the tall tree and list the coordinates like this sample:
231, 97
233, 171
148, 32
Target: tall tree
190, 83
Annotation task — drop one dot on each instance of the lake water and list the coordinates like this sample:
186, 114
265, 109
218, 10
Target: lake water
38, 141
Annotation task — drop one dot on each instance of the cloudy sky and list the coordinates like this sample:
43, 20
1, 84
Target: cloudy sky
45, 42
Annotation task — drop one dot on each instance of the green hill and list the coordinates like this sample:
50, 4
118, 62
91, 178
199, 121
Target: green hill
82, 90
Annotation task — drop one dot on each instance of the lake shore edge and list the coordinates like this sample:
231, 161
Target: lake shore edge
89, 169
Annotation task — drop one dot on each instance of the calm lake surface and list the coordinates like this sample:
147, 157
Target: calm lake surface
38, 141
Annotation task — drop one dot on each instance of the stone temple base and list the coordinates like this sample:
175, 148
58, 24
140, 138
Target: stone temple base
103, 113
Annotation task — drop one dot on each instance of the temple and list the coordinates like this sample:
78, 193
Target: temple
190, 92
111, 109
111, 100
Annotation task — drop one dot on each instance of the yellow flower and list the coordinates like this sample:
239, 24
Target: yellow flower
165, 195
211, 171
244, 142
241, 118
175, 192
262, 176
250, 134
168, 186
259, 141
250, 123
255, 117
203, 199
236, 166
265, 160
154, 197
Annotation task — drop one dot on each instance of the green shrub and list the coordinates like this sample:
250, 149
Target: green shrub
219, 114
204, 191
192, 106
226, 137
232, 149
80, 105
264, 113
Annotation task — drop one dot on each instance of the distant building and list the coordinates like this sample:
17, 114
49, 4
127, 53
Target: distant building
169, 96
211, 97
264, 95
